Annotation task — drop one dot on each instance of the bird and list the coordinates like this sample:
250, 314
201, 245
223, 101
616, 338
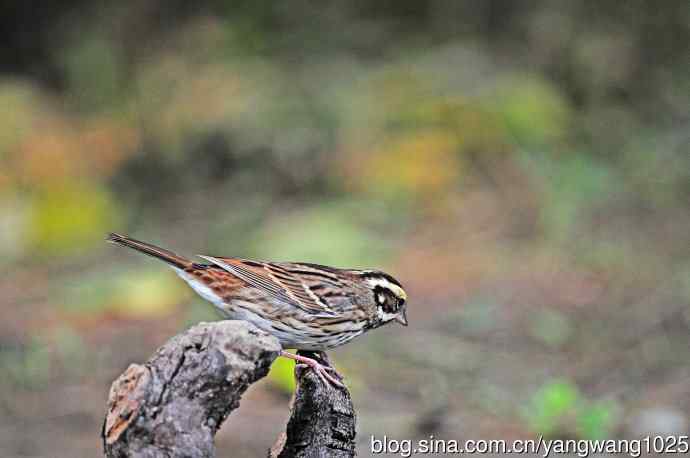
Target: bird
305, 306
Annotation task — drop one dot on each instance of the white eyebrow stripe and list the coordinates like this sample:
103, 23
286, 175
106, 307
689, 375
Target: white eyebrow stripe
382, 282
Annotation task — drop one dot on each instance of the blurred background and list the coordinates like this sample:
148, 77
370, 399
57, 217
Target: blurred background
522, 167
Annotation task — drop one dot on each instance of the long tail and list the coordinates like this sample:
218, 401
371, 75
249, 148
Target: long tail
151, 250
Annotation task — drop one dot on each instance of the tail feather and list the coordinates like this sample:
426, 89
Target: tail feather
151, 250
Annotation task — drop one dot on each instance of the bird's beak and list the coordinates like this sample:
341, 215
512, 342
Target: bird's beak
402, 317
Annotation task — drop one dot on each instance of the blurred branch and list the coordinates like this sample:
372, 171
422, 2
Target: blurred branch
322, 420
173, 405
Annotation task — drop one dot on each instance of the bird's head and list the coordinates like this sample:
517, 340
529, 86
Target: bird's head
389, 296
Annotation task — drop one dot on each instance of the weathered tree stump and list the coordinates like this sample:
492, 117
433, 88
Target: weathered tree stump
173, 405
322, 421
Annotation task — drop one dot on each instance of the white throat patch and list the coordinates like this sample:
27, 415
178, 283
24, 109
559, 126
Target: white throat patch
385, 317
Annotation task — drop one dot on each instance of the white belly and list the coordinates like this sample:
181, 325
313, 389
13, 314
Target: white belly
238, 310
201, 289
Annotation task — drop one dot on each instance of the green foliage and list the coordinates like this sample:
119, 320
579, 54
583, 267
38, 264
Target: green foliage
657, 169
71, 353
70, 218
559, 408
198, 310
282, 375
596, 420
149, 294
138, 294
87, 295
573, 185
28, 367
524, 171
550, 405
94, 73
34, 364
328, 235
535, 113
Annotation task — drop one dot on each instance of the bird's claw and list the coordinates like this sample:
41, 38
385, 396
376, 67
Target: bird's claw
322, 371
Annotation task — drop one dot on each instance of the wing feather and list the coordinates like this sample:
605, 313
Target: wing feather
279, 284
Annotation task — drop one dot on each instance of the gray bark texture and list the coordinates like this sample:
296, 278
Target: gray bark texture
173, 405
322, 421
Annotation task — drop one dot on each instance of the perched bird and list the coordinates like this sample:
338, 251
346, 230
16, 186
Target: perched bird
305, 306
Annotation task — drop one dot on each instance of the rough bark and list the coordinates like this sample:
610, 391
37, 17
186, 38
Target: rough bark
173, 405
322, 421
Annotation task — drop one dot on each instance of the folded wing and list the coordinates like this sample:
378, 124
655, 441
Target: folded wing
278, 283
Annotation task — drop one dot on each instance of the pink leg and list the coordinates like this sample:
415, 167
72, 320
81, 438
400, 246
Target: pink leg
320, 370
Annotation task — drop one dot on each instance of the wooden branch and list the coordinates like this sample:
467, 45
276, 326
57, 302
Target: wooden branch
173, 405
322, 421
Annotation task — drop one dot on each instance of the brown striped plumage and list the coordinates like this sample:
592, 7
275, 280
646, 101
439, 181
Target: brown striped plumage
306, 306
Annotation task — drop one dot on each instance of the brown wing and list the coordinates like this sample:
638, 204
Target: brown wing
277, 281
220, 281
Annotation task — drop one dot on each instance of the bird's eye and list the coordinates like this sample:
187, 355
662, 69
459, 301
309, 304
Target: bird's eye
387, 301
391, 305
401, 302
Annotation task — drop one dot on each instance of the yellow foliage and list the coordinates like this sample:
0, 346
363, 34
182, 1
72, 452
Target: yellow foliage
478, 130
70, 218
282, 375
533, 110
424, 163
41, 146
148, 295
